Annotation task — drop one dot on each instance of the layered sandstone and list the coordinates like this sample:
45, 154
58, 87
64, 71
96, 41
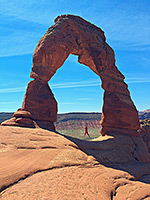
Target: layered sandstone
73, 35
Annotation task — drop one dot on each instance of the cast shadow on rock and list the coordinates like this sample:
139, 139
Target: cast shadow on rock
121, 152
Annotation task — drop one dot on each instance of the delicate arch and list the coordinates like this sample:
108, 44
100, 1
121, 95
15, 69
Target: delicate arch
73, 35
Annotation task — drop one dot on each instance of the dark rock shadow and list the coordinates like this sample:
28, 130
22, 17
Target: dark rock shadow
117, 152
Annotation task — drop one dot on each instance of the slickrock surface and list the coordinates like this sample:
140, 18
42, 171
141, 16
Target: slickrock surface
39, 164
73, 35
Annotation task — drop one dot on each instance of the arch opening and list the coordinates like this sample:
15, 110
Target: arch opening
76, 85
79, 96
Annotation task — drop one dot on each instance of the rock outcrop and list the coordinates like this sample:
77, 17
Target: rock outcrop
73, 35
39, 100
41, 164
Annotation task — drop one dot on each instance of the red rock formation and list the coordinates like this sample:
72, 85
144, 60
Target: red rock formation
73, 35
145, 132
39, 108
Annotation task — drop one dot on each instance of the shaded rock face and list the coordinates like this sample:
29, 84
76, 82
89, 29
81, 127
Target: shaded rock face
73, 35
145, 132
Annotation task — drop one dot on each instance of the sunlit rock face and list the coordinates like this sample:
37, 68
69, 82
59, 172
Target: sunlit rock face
73, 35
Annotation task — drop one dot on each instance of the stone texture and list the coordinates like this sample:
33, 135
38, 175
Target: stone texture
39, 109
40, 102
73, 35
40, 164
22, 113
145, 132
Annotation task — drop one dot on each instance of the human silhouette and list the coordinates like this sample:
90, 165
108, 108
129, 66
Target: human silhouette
86, 132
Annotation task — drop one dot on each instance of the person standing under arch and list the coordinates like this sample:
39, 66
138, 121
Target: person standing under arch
86, 132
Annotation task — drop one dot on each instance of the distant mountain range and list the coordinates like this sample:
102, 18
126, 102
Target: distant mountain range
5, 115
144, 114
77, 120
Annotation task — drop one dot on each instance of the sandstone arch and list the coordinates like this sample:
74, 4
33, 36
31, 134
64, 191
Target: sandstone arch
73, 35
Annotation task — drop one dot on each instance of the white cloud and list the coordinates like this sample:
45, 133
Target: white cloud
84, 99
42, 12
92, 83
5, 103
67, 103
76, 84
137, 80
55, 86
126, 25
18, 42
12, 90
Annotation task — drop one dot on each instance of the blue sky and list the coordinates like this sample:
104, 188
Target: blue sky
127, 28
